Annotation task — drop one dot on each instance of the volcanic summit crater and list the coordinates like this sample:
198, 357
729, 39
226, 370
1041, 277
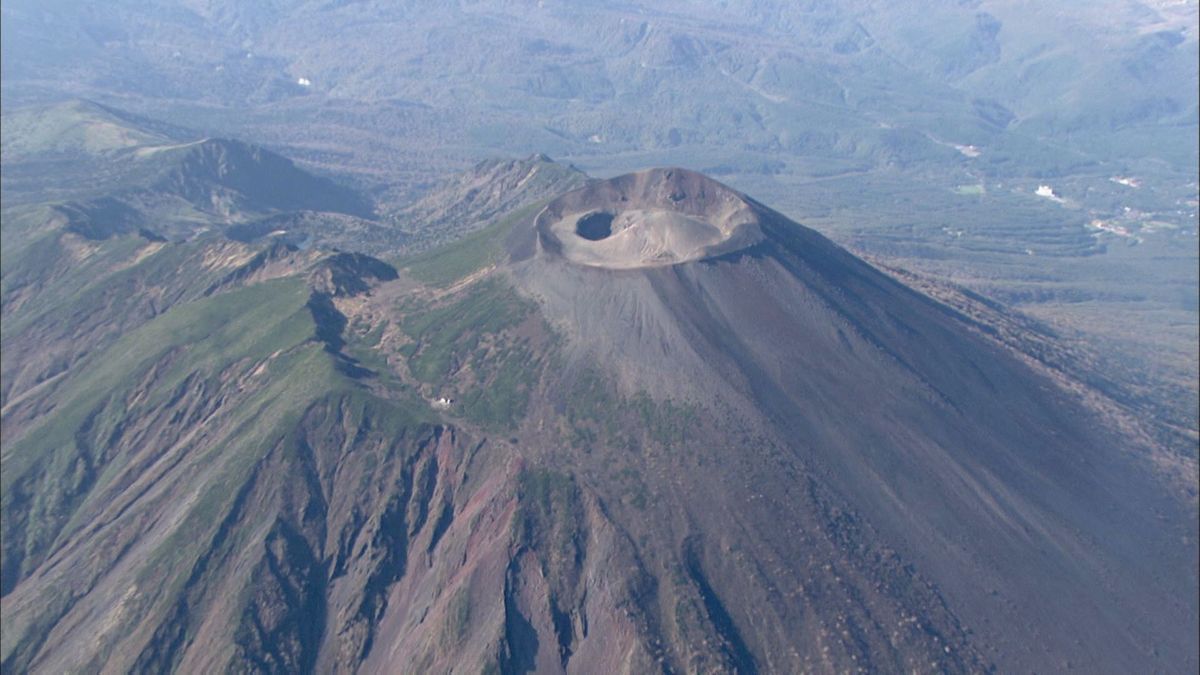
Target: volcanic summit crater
648, 219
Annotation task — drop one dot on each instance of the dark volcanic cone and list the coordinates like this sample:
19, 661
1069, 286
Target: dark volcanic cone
838, 405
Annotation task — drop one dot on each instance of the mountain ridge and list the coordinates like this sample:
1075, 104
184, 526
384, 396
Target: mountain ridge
773, 458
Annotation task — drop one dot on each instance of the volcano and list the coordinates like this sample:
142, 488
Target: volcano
1025, 520
650, 425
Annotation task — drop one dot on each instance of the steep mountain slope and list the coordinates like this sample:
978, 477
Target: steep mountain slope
222, 485
763, 457
994, 485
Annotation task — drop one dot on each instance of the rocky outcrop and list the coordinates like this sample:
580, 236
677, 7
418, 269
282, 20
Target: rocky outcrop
348, 274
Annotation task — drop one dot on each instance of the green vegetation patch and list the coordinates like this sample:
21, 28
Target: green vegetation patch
450, 333
550, 514
447, 264
471, 345
458, 616
206, 335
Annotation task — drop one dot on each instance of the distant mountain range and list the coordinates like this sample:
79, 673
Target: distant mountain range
1041, 87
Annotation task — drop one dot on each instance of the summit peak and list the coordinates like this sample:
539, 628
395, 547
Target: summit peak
651, 218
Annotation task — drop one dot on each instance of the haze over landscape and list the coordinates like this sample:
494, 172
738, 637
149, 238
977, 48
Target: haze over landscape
505, 337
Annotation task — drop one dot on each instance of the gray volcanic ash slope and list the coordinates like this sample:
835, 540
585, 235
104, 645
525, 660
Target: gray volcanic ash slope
1043, 532
687, 435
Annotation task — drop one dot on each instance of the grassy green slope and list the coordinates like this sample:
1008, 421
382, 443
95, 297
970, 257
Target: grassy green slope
202, 338
444, 265
191, 403
485, 345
